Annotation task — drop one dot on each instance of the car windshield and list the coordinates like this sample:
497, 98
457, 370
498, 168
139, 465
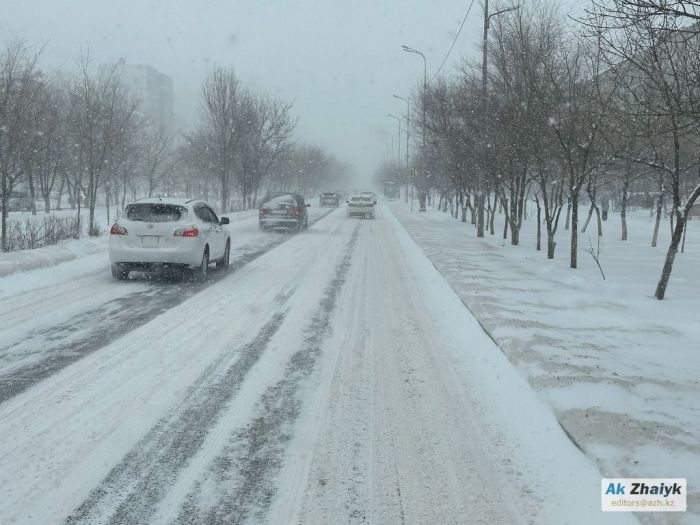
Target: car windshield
502, 328
155, 212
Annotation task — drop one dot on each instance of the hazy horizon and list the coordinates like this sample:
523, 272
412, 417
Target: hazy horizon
339, 65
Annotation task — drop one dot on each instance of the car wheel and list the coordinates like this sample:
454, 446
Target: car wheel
223, 264
200, 273
120, 272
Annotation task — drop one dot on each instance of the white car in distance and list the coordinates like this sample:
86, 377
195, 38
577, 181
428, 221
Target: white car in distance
163, 233
371, 195
361, 206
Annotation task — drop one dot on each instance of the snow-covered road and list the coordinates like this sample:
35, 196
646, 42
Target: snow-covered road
332, 377
54, 316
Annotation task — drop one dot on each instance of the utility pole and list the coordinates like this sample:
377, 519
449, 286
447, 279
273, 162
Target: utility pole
398, 158
408, 127
421, 196
480, 186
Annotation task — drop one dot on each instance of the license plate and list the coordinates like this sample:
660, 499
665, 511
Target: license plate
279, 212
149, 241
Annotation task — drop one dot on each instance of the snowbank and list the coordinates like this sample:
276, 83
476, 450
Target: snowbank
619, 368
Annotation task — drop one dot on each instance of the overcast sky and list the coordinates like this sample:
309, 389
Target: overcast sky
339, 61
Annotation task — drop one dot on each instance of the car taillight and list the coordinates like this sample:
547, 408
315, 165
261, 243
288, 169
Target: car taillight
117, 230
264, 211
188, 231
294, 211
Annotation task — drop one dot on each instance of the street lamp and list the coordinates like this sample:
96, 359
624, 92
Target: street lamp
408, 123
425, 80
398, 119
421, 196
408, 128
484, 80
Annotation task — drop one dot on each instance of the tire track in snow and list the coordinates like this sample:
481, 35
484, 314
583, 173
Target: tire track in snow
130, 492
243, 475
84, 333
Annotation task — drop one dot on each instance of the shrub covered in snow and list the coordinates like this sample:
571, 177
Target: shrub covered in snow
30, 233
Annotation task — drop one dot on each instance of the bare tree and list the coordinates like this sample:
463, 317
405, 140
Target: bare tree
266, 135
101, 112
18, 78
222, 126
658, 57
577, 119
52, 147
158, 161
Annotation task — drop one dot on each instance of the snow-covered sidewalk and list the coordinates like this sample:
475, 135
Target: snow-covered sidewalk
620, 369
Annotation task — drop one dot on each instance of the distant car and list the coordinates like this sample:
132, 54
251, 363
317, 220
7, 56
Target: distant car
161, 233
19, 201
361, 206
329, 199
371, 195
287, 211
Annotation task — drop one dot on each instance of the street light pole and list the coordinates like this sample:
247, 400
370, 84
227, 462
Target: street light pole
484, 80
398, 119
408, 128
408, 123
425, 92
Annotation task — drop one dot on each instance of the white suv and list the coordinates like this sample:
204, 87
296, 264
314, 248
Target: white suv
159, 233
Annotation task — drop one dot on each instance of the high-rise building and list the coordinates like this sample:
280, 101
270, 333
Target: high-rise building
153, 89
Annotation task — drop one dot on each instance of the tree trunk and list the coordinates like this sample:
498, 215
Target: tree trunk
32, 192
551, 245
107, 198
514, 233
659, 206
539, 226
623, 209
600, 222
4, 198
670, 257
568, 214
60, 192
574, 231
588, 219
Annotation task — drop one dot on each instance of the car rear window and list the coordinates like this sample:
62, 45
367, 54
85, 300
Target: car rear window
360, 199
154, 212
282, 201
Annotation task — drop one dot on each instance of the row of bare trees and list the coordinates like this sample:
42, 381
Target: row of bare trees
573, 109
79, 136
82, 136
244, 143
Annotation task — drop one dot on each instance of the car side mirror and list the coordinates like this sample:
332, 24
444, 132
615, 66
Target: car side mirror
224, 220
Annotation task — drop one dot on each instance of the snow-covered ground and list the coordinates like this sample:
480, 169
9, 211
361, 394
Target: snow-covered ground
331, 377
54, 315
620, 369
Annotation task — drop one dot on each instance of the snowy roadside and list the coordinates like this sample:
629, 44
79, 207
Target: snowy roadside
620, 369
